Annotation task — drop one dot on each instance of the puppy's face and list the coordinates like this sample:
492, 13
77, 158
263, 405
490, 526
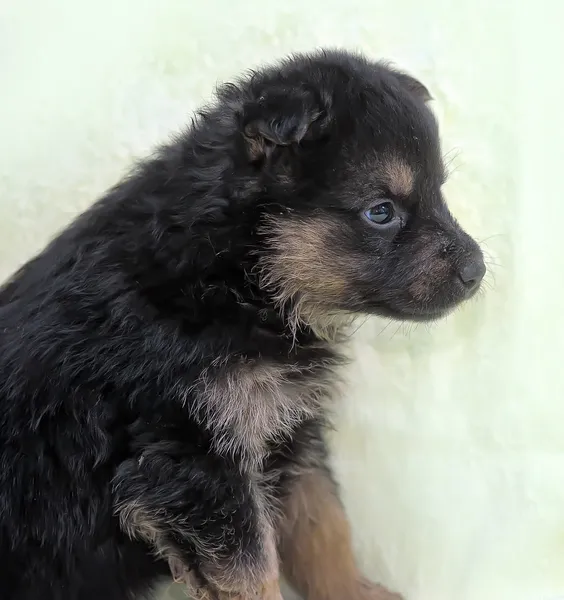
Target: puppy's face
357, 222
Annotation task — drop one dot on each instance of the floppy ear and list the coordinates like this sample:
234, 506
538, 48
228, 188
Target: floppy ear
283, 116
414, 86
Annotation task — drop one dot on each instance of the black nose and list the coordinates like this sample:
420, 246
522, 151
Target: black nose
472, 272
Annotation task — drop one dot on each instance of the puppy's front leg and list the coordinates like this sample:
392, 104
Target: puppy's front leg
315, 544
200, 513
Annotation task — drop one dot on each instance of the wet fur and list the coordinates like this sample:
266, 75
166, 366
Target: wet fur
167, 363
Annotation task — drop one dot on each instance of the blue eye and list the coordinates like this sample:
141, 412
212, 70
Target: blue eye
381, 213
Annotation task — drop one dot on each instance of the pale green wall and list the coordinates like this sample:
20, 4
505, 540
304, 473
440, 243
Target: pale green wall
450, 448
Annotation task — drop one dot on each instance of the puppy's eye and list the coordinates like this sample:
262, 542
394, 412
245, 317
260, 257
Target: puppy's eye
381, 213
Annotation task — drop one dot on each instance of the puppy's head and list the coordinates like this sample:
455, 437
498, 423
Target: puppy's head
347, 156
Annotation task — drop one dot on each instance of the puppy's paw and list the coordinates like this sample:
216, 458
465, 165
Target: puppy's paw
270, 591
375, 591
198, 589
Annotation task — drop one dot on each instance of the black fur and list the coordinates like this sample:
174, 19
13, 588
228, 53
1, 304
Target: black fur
105, 334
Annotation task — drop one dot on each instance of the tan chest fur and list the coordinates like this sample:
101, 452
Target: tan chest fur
251, 403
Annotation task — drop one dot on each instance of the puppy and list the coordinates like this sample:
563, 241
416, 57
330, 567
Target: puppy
167, 363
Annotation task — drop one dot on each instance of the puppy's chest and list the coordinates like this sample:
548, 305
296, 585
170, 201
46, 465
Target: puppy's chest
249, 405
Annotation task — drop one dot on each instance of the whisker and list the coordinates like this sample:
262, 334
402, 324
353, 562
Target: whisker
485, 285
396, 331
360, 324
494, 264
449, 159
484, 240
385, 327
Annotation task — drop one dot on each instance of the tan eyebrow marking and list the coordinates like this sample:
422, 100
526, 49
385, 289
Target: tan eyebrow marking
398, 175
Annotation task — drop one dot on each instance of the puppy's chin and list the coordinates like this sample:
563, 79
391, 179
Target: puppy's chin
408, 309
414, 312
415, 315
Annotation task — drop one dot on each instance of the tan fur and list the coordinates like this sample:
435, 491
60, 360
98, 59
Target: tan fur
259, 580
222, 579
426, 281
305, 268
137, 523
256, 147
249, 403
316, 547
196, 591
398, 175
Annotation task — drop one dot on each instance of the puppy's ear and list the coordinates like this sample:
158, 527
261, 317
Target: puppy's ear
414, 86
283, 116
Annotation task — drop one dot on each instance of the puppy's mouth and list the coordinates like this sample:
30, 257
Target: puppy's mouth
441, 303
409, 310
417, 314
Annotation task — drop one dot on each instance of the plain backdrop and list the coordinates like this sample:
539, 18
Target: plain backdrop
449, 449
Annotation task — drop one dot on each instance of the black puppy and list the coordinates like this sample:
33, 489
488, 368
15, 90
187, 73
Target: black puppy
166, 362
